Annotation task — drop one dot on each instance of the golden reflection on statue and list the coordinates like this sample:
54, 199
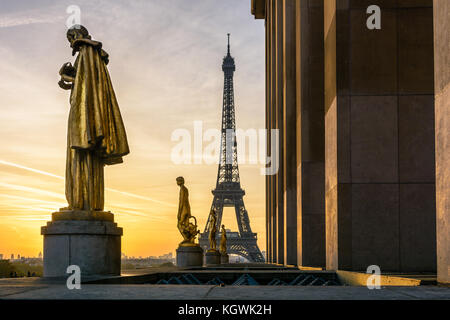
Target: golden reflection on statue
96, 135
187, 229
212, 231
223, 241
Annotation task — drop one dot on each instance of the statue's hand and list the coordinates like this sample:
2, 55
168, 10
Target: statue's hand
64, 85
67, 70
64, 67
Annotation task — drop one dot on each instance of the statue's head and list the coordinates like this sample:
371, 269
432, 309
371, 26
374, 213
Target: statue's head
180, 181
223, 226
77, 31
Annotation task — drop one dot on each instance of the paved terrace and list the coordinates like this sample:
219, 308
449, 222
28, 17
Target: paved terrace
132, 285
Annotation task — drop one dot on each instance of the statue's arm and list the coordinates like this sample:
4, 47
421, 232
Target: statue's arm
181, 203
67, 73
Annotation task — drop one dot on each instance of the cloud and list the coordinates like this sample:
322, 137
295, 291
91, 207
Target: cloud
24, 18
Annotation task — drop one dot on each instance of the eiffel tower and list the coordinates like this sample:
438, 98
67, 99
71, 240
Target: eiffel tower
228, 191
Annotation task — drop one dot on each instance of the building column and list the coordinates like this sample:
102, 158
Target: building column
268, 135
310, 134
272, 109
289, 133
279, 101
379, 141
442, 136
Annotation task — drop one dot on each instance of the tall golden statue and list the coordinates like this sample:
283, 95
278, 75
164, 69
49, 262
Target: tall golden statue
223, 241
187, 229
212, 231
96, 134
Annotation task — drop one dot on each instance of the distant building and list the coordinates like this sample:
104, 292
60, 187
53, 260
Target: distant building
12, 256
1, 256
40, 255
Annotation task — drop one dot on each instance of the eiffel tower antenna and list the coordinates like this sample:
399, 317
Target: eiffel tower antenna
228, 191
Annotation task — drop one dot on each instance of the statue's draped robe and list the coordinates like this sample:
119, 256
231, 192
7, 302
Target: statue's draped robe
184, 209
96, 135
223, 242
212, 232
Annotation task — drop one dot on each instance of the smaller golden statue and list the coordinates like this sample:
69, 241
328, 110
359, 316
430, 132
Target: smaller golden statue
223, 241
212, 231
187, 229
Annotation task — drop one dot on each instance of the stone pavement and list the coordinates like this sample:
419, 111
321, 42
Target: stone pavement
37, 288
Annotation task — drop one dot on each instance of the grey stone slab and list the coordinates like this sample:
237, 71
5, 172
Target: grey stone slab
417, 228
442, 120
343, 140
94, 246
313, 237
313, 189
189, 256
374, 139
375, 226
345, 238
415, 51
331, 147
343, 49
189, 292
331, 227
416, 139
373, 54
363, 4
441, 11
415, 3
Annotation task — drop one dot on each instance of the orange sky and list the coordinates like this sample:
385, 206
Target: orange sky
165, 64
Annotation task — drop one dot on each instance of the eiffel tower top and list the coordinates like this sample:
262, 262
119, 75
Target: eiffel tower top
228, 65
228, 173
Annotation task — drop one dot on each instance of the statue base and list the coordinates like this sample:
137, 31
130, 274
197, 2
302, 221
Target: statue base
224, 258
88, 239
189, 256
212, 257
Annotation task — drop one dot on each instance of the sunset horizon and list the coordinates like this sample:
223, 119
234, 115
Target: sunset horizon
182, 84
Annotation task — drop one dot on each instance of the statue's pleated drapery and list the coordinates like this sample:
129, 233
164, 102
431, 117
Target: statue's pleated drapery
96, 135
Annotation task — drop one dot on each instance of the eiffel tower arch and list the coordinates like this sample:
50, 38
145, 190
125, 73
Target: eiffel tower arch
228, 191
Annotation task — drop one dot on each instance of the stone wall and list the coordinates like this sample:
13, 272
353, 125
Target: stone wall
356, 184
442, 106
379, 140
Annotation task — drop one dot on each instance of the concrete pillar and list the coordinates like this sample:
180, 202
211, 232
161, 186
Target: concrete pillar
442, 135
273, 193
279, 101
310, 134
379, 142
289, 133
267, 119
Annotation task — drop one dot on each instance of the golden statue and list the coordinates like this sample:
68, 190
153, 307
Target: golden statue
96, 134
223, 241
187, 229
212, 231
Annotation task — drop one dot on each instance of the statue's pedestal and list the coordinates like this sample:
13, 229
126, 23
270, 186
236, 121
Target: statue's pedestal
212, 257
224, 258
88, 239
189, 256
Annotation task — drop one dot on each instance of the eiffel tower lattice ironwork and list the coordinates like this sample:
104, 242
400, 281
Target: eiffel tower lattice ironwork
228, 191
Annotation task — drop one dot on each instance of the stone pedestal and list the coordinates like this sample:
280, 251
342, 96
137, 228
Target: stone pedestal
189, 256
212, 257
90, 240
224, 258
